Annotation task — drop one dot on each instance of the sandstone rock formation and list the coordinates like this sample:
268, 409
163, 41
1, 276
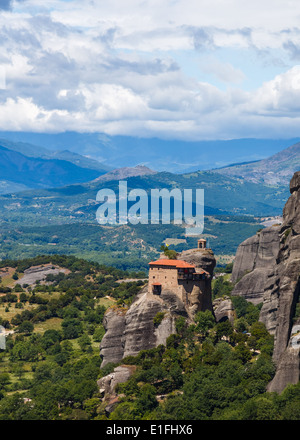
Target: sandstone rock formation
254, 261
223, 309
282, 294
121, 374
201, 258
140, 332
39, 273
111, 348
107, 385
280, 285
127, 334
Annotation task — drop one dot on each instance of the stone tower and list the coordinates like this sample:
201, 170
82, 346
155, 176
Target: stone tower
202, 243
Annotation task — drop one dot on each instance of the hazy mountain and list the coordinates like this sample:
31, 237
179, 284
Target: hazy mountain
19, 172
275, 170
125, 173
237, 189
176, 156
31, 150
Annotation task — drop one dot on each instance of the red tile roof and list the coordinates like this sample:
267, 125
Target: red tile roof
172, 263
201, 271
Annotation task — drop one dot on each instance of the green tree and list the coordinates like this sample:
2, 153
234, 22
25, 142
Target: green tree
170, 253
146, 400
72, 328
26, 327
224, 329
25, 351
99, 333
243, 352
4, 380
158, 318
84, 342
204, 322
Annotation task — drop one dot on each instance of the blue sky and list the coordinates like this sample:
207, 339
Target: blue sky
172, 69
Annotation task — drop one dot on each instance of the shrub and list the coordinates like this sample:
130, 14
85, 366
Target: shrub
158, 318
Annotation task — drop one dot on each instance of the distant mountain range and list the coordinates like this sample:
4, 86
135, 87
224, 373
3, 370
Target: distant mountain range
25, 166
175, 156
73, 180
77, 203
275, 170
31, 150
50, 204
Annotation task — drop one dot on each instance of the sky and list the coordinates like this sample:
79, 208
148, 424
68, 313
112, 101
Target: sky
172, 69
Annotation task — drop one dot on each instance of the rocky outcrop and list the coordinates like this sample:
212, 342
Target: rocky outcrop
111, 348
254, 263
140, 332
282, 294
223, 310
288, 367
129, 333
280, 285
39, 273
107, 386
135, 329
121, 374
200, 258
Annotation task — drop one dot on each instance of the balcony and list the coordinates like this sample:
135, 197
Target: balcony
191, 276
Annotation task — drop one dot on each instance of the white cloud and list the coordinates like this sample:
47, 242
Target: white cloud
280, 96
224, 72
115, 67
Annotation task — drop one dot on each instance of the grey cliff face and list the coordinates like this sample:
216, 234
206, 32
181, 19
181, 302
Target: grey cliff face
223, 309
284, 293
107, 384
204, 259
129, 333
140, 332
111, 348
254, 263
273, 260
245, 258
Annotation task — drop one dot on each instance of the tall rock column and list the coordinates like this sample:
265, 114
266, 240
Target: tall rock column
201, 259
284, 288
267, 270
254, 263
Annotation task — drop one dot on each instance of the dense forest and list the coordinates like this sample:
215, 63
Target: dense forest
50, 365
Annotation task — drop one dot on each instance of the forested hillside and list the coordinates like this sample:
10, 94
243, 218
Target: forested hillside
125, 247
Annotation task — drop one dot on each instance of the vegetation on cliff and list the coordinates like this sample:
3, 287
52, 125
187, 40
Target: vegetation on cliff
207, 371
